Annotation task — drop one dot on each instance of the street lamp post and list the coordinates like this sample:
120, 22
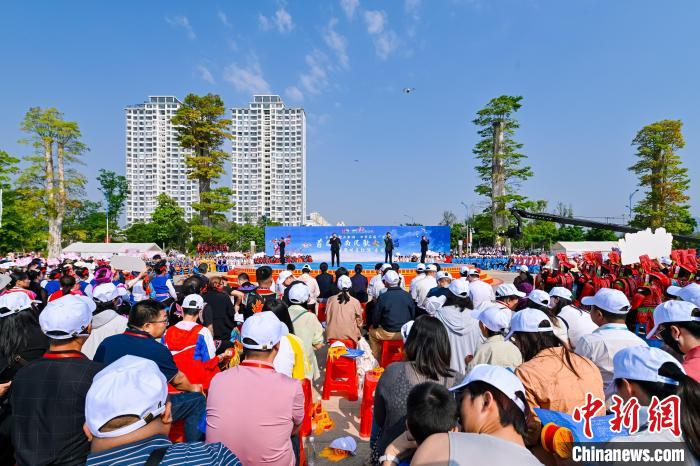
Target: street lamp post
630, 203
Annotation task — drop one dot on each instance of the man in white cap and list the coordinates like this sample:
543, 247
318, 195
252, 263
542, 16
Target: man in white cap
689, 293
314, 291
443, 281
285, 278
493, 417
394, 308
128, 419
105, 320
508, 297
677, 323
48, 394
258, 429
480, 291
420, 275
424, 286
376, 285
609, 309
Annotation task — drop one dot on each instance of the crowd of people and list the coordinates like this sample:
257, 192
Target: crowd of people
98, 365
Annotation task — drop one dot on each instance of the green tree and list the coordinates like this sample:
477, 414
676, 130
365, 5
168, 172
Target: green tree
571, 233
140, 232
50, 176
85, 222
660, 171
597, 234
499, 158
202, 128
115, 189
169, 225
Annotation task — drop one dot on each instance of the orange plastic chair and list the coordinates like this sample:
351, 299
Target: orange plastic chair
341, 376
392, 350
367, 406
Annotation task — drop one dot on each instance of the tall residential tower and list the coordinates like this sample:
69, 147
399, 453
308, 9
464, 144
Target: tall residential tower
269, 162
155, 162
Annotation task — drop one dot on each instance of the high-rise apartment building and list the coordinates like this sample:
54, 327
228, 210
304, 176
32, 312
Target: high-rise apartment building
269, 162
155, 162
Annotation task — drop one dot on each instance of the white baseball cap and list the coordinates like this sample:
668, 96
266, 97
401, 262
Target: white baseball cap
561, 292
263, 330
5, 280
285, 274
523, 268
665, 260
391, 278
442, 274
528, 321
67, 317
344, 282
299, 293
112, 392
508, 289
642, 363
193, 301
431, 268
499, 377
474, 272
672, 311
539, 297
494, 318
406, 330
690, 293
344, 443
306, 267
608, 299
14, 303
420, 267
459, 288
385, 267
105, 292
464, 269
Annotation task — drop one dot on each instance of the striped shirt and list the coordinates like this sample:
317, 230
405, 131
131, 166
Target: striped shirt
193, 454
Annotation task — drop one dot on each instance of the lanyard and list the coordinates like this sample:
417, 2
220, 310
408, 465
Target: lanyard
134, 334
257, 364
71, 354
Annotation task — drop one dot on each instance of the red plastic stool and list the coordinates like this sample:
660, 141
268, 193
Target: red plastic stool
321, 312
367, 406
392, 350
347, 343
305, 430
364, 313
341, 376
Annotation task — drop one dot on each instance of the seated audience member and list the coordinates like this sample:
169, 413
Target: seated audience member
306, 326
427, 351
119, 436
260, 429
311, 282
494, 325
192, 345
539, 299
147, 322
443, 281
579, 322
609, 310
508, 297
105, 320
359, 285
343, 313
394, 308
677, 323
325, 283
493, 414
554, 377
291, 359
254, 300
641, 372
48, 394
482, 293
218, 315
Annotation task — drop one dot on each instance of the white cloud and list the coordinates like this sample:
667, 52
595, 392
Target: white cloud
316, 78
205, 74
337, 43
349, 7
375, 21
182, 22
411, 6
293, 93
385, 44
282, 20
248, 79
223, 18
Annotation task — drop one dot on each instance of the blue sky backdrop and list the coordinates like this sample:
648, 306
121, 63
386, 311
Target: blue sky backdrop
592, 73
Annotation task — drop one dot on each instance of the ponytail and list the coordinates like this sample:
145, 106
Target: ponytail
689, 393
343, 296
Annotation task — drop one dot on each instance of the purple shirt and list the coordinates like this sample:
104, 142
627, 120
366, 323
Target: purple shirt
253, 410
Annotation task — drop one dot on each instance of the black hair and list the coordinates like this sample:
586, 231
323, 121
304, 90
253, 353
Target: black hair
561, 304
263, 273
339, 272
14, 333
306, 269
161, 267
509, 413
157, 257
461, 302
552, 316
82, 272
67, 283
532, 343
430, 409
243, 276
192, 285
358, 268
279, 308
101, 306
428, 348
378, 266
203, 268
691, 326
34, 274
395, 266
16, 276
323, 266
144, 312
291, 267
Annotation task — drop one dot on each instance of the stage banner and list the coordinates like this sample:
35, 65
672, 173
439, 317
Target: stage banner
359, 243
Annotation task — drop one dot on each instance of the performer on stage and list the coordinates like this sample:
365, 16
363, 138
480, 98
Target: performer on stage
424, 242
335, 250
282, 244
388, 248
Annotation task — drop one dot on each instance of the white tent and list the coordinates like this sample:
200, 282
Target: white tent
108, 249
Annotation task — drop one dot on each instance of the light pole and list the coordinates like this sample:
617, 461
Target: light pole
630, 202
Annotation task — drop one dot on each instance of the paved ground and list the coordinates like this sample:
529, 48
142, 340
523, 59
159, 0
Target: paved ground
346, 414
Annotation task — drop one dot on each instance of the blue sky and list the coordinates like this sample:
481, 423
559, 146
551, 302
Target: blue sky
592, 73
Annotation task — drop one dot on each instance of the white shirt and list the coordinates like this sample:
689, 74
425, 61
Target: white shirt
284, 361
314, 290
481, 292
602, 345
105, 324
414, 282
422, 289
376, 285
580, 323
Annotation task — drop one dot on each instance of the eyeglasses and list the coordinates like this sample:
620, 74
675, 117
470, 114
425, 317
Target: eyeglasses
659, 330
164, 321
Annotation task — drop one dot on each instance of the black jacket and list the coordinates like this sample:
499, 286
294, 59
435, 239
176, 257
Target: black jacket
388, 244
395, 307
424, 245
335, 244
325, 285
